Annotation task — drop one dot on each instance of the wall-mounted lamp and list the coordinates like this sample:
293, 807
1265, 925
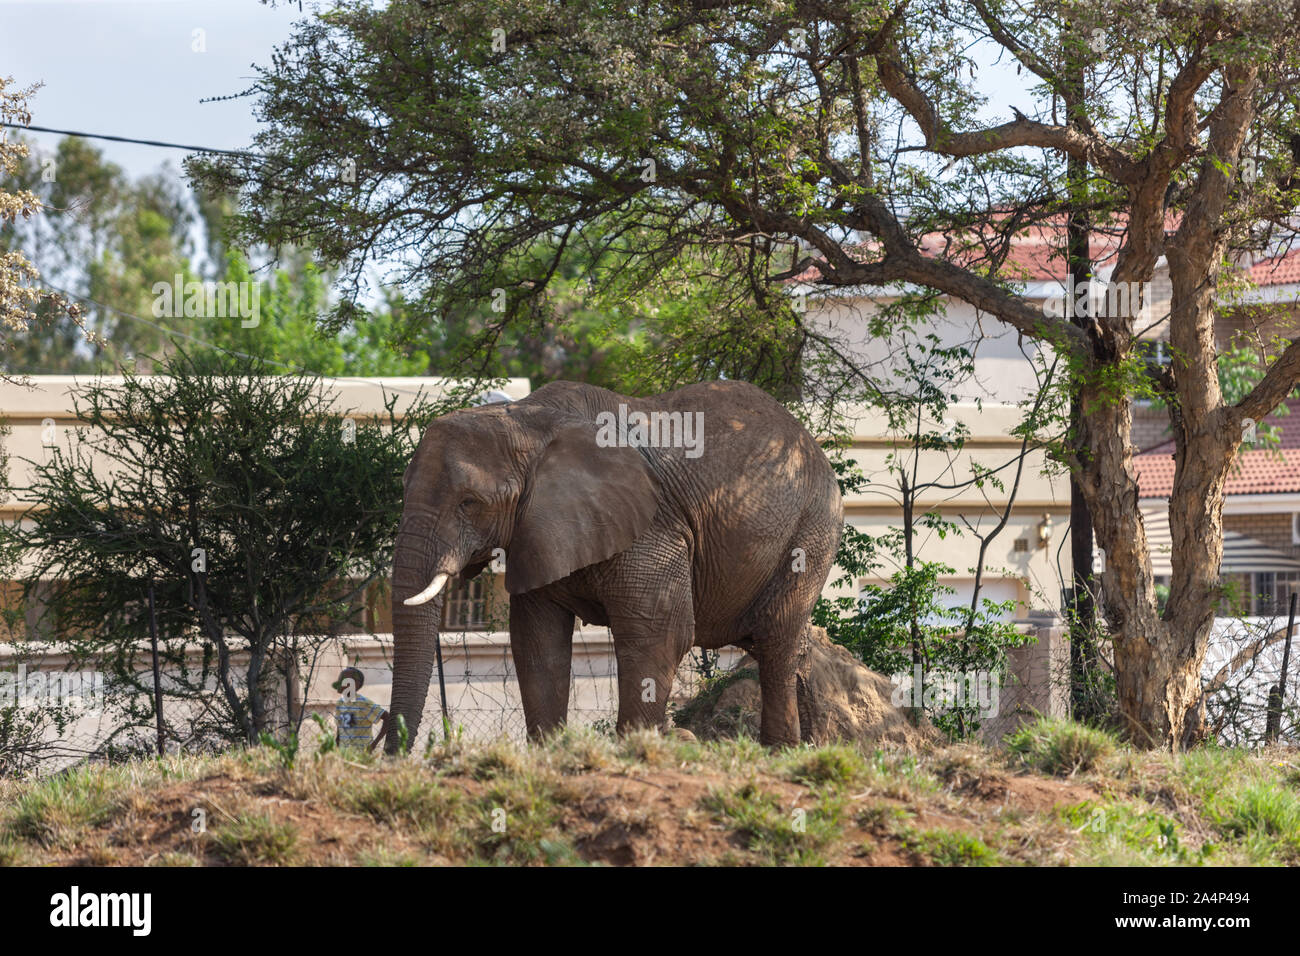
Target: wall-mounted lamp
1045, 531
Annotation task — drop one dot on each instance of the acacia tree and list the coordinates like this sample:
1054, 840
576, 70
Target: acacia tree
838, 141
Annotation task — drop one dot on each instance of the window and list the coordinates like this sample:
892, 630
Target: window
1272, 592
1295, 527
466, 605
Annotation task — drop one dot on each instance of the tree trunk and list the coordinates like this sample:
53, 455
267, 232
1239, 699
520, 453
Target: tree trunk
1084, 703
1158, 659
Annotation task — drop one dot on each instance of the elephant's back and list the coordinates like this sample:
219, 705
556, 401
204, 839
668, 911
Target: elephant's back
760, 493
733, 464
747, 484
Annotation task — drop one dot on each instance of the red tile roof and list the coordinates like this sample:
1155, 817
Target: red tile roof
1280, 270
1038, 254
1257, 472
1288, 427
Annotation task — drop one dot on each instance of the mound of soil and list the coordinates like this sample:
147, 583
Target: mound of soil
839, 699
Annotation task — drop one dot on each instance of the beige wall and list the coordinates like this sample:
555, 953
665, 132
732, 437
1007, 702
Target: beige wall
1273, 530
481, 687
41, 413
1034, 569
29, 412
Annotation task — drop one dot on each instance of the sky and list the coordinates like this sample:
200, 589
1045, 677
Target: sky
130, 68
139, 68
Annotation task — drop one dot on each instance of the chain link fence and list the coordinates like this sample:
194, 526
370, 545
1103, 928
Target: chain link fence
52, 717
482, 690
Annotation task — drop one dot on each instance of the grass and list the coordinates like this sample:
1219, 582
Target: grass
256, 839
777, 834
62, 810
1060, 794
1263, 817
1060, 747
1119, 834
402, 800
941, 847
518, 821
837, 765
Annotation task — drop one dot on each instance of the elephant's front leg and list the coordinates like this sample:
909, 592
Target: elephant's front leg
541, 643
653, 620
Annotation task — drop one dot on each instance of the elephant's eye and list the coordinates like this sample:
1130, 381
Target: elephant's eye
469, 504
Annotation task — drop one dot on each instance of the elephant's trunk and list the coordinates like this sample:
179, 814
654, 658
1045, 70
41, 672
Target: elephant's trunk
415, 627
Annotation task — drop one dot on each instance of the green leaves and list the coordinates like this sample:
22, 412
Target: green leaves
260, 514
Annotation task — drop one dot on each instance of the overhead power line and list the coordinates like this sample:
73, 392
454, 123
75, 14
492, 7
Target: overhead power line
128, 139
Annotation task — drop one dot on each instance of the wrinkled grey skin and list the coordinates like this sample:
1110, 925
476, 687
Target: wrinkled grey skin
667, 550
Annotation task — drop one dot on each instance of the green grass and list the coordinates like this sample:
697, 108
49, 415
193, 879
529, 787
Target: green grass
1201, 773
517, 821
1120, 834
778, 835
403, 800
12, 853
836, 765
384, 857
256, 839
1059, 747
734, 802
882, 816
1263, 817
58, 812
942, 847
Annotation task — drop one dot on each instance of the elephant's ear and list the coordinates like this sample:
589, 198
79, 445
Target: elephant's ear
584, 503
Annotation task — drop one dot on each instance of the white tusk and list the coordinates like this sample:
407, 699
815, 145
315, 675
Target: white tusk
429, 593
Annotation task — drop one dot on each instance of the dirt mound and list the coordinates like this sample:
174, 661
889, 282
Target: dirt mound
839, 699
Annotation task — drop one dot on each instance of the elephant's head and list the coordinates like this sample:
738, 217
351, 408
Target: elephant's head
526, 478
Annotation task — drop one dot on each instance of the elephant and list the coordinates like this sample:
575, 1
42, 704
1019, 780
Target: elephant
702, 517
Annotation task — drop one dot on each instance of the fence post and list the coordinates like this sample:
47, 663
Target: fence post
1277, 696
442, 687
157, 676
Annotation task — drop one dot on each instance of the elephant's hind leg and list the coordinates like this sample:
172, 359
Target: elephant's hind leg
776, 650
541, 643
778, 625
